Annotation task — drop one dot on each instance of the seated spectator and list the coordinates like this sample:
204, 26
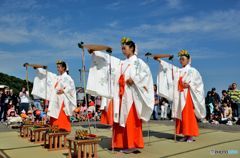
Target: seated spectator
23, 115
226, 116
98, 102
216, 116
91, 110
225, 97
12, 116
83, 108
76, 113
37, 114
83, 113
98, 114
30, 115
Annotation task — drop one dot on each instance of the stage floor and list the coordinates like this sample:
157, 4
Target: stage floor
211, 143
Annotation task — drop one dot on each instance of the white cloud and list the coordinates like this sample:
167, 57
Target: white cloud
218, 22
208, 53
147, 2
114, 5
21, 25
113, 23
175, 4
12, 62
9, 37
26, 5
15, 29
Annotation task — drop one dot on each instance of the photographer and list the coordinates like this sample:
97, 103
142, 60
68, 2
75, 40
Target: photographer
24, 100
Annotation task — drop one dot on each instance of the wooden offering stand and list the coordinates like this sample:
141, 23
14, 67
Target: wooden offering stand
24, 129
54, 139
84, 145
37, 132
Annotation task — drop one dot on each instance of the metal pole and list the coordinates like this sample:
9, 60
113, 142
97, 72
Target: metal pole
175, 122
110, 89
84, 84
27, 78
148, 123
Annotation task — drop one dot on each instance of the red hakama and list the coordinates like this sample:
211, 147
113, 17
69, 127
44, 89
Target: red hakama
63, 121
188, 125
131, 135
107, 116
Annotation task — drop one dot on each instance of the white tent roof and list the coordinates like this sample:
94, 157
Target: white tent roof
3, 86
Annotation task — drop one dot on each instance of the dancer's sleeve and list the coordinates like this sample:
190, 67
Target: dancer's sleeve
143, 93
166, 79
102, 74
70, 99
43, 83
197, 93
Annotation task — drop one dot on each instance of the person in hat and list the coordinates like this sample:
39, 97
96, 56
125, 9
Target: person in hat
59, 91
12, 116
185, 89
30, 115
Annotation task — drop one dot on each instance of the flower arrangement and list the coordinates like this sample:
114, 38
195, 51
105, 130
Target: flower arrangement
54, 129
83, 134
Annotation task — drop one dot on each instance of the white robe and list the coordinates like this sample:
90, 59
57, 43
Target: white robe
99, 73
141, 92
49, 92
168, 87
104, 104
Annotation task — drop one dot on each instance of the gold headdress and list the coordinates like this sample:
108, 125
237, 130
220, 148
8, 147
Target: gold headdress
184, 53
59, 62
125, 40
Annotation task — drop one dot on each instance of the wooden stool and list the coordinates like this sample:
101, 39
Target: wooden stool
86, 148
37, 135
55, 141
24, 130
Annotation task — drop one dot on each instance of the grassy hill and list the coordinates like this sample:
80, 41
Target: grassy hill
13, 82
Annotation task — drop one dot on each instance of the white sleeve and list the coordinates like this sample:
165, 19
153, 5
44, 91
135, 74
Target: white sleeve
165, 80
197, 93
101, 80
43, 83
143, 94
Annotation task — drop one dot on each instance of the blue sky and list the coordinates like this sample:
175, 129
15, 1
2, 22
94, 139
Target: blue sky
43, 31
